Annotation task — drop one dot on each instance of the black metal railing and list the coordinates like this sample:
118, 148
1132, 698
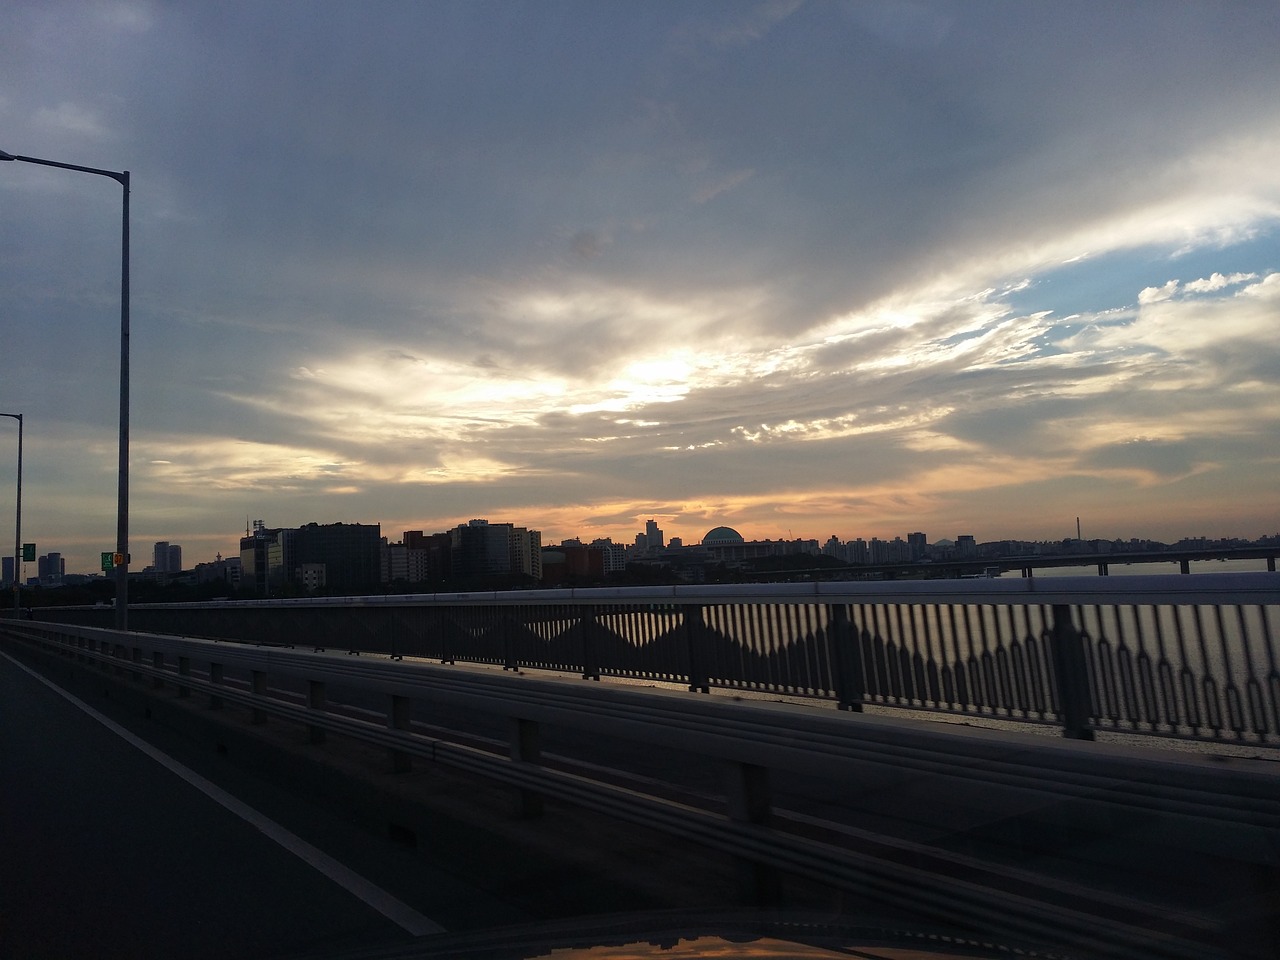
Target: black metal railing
1186, 657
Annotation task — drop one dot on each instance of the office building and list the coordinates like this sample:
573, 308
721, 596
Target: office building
166, 557
341, 557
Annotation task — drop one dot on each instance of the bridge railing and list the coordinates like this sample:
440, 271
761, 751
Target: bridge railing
1173, 656
1230, 807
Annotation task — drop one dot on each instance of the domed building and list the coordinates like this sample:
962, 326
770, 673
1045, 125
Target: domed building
721, 536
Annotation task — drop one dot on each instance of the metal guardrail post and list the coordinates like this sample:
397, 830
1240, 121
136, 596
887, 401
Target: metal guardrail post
438, 623
1071, 675
590, 659
315, 701
750, 801
846, 663
510, 661
400, 717
215, 676
526, 747
695, 633
398, 629
258, 681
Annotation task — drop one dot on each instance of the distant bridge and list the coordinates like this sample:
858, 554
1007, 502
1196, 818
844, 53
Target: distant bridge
1027, 565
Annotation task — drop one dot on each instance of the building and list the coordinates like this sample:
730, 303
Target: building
480, 549
227, 570
350, 554
721, 536
312, 576
50, 569
344, 558
888, 551
428, 557
526, 552
395, 562
166, 557
571, 562
615, 555
857, 551
280, 565
255, 547
651, 541
726, 545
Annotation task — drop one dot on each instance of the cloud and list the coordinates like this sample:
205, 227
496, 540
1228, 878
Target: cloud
1216, 282
128, 15
798, 264
727, 182
1157, 294
745, 25
71, 118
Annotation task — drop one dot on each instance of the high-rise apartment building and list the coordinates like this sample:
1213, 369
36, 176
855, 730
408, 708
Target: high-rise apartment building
615, 554
166, 557
653, 536
51, 568
526, 552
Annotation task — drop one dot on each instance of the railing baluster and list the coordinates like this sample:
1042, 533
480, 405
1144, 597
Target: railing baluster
587, 629
693, 631
1071, 673
850, 684
1208, 684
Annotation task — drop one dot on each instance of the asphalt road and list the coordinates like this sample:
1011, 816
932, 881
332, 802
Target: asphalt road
104, 851
109, 851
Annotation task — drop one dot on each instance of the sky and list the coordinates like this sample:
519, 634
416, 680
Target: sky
807, 269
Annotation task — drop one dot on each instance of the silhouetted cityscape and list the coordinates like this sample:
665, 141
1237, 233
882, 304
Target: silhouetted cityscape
351, 558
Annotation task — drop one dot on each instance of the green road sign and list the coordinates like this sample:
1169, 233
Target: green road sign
28, 551
108, 560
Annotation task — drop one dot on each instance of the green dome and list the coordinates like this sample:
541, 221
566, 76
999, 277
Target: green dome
720, 536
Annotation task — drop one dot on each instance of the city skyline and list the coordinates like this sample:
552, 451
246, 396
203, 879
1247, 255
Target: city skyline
904, 538
797, 269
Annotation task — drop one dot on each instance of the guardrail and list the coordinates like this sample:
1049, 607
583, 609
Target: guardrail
757, 742
1169, 656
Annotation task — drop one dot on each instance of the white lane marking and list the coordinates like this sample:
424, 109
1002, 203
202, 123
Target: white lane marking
393, 909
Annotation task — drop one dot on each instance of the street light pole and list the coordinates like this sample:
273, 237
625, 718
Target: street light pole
122, 502
17, 526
